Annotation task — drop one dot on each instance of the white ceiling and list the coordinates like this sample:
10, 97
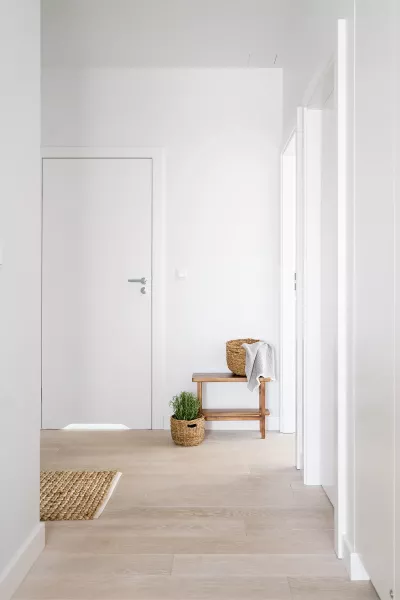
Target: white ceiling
168, 33
296, 35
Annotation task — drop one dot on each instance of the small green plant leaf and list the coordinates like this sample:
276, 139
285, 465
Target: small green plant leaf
185, 406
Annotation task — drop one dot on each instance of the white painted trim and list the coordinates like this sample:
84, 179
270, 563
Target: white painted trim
289, 139
19, 565
159, 399
156, 155
287, 408
100, 152
353, 562
312, 296
300, 287
342, 320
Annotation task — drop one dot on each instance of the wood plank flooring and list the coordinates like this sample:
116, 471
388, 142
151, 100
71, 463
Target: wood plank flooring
226, 520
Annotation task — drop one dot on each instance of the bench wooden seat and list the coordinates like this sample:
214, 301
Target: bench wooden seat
232, 414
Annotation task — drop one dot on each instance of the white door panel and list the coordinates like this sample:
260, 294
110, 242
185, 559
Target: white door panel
96, 325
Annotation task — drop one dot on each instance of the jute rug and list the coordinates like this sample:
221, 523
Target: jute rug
75, 495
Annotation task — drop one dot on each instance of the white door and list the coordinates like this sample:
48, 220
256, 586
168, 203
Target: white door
96, 341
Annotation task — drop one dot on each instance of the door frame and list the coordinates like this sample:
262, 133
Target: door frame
300, 329
287, 406
157, 156
345, 273
298, 130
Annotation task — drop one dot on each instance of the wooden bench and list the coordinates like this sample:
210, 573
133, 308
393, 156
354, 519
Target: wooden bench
232, 414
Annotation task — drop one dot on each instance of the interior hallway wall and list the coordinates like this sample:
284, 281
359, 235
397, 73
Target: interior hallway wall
372, 313
396, 164
21, 535
312, 27
221, 130
374, 290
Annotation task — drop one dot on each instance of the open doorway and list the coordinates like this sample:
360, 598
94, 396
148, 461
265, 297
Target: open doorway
313, 228
292, 289
320, 282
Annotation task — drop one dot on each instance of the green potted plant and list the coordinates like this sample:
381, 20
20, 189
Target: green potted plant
187, 424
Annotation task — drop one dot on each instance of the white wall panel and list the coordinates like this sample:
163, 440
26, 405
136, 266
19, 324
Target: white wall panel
221, 129
19, 287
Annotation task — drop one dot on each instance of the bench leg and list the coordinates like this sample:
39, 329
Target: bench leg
200, 393
261, 396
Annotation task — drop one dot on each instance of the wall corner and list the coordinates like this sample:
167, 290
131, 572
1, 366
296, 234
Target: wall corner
353, 562
22, 561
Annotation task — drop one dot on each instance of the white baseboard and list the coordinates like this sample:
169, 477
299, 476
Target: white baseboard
272, 425
353, 563
19, 565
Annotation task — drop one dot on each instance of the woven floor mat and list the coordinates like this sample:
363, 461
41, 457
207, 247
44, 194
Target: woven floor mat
75, 495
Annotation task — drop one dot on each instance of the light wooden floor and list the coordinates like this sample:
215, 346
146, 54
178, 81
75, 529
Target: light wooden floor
227, 520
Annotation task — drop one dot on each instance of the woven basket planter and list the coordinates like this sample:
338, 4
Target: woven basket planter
236, 355
187, 433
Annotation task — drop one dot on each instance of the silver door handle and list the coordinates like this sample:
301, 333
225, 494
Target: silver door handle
143, 280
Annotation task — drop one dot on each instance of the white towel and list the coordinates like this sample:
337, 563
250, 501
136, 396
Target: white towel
260, 362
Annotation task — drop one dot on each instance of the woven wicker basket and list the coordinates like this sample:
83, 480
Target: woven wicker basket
187, 433
236, 355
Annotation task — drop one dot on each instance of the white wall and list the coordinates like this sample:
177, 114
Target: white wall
19, 289
369, 439
372, 312
221, 130
374, 281
314, 39
396, 131
309, 46
156, 33
347, 480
